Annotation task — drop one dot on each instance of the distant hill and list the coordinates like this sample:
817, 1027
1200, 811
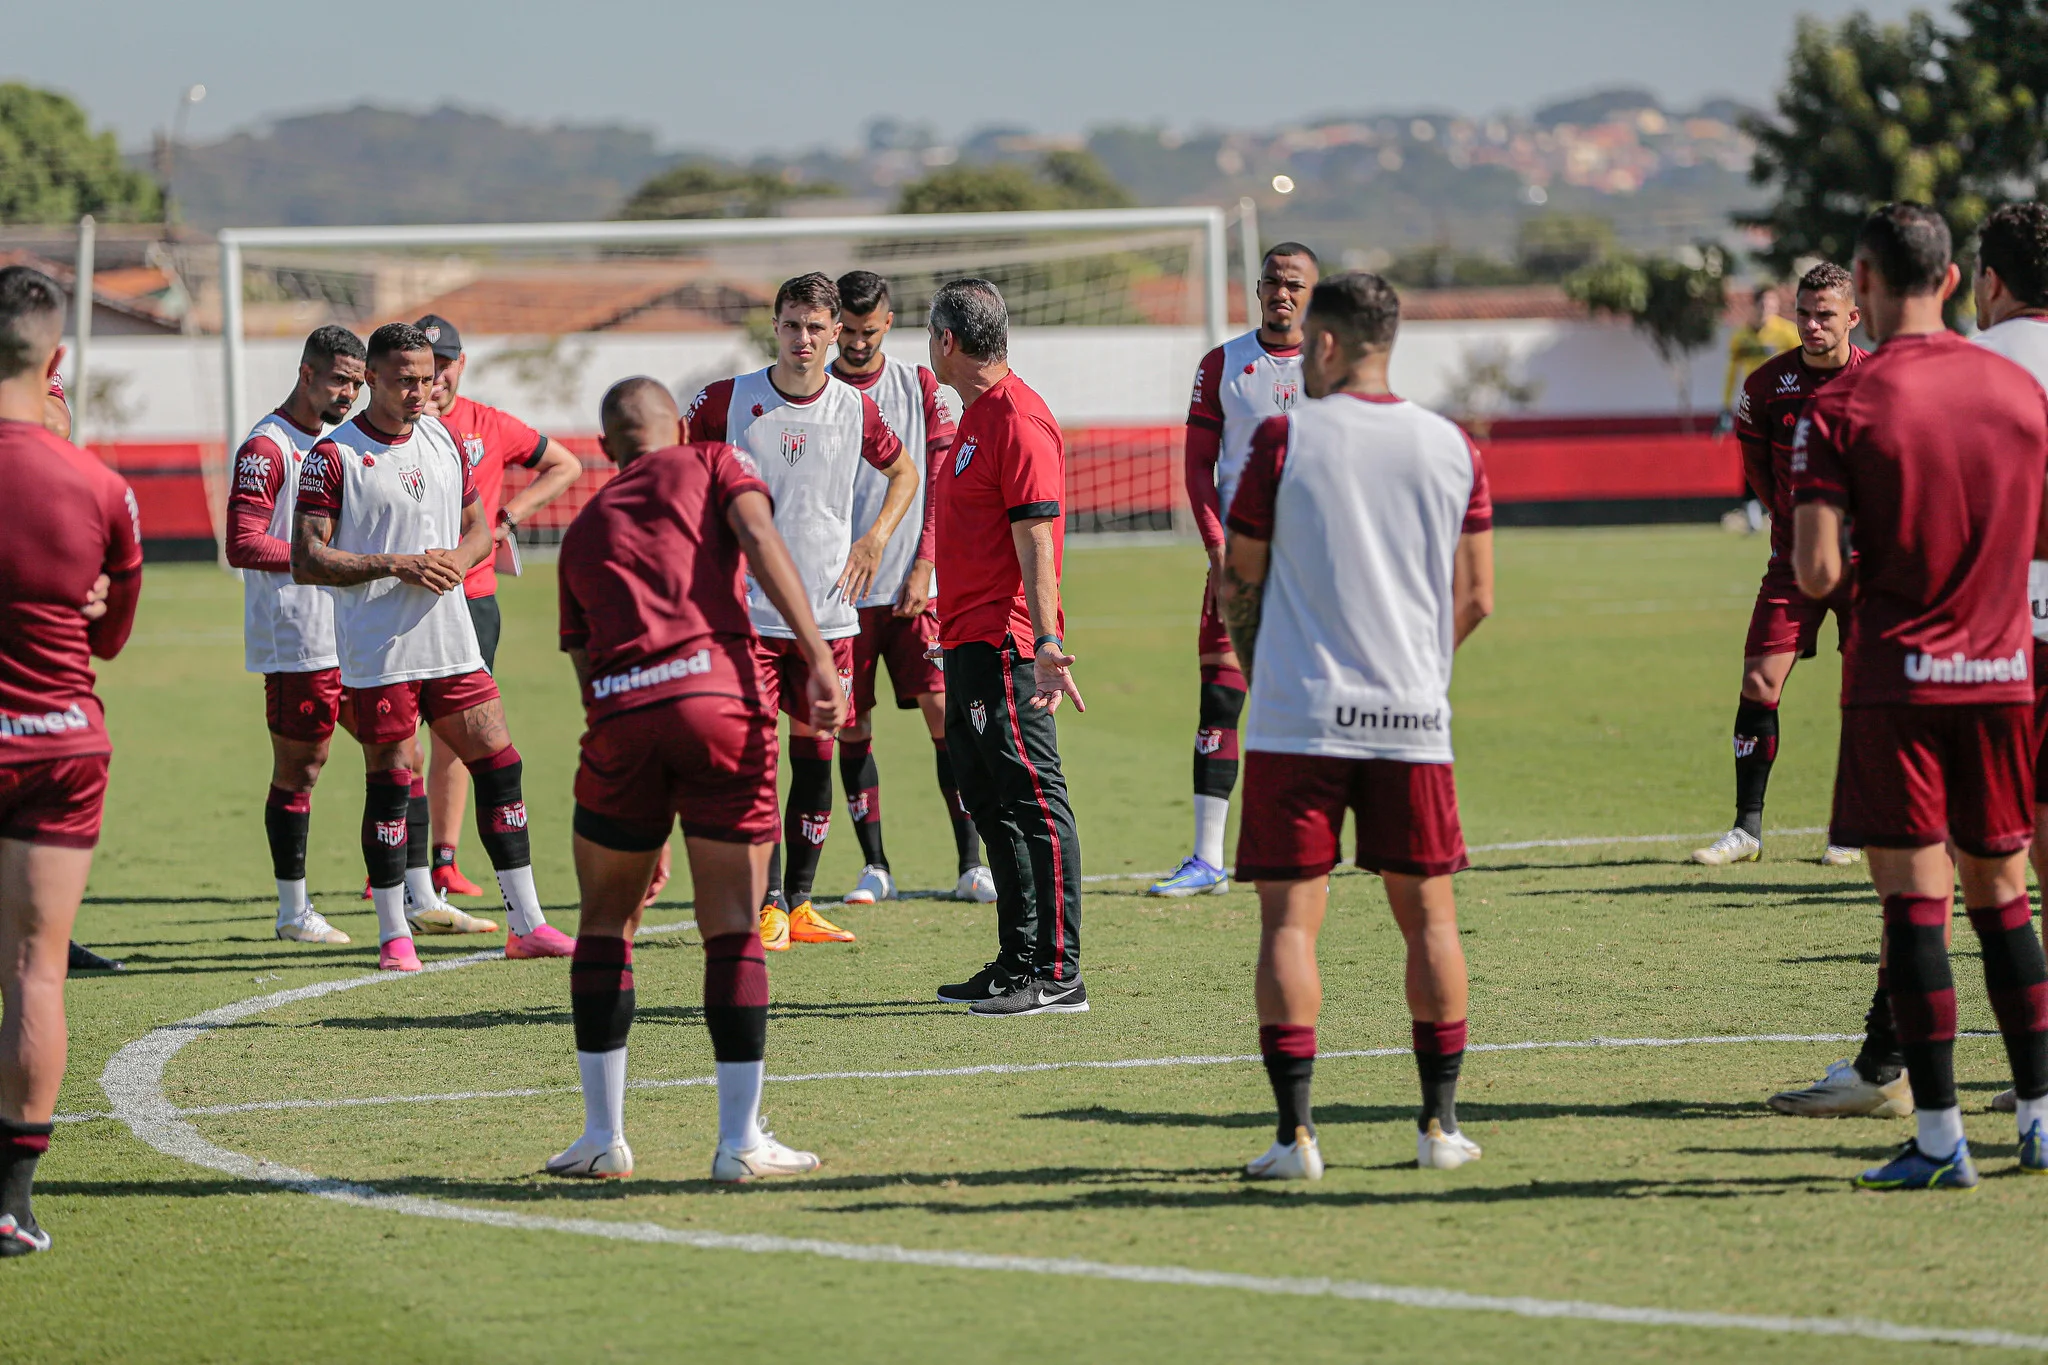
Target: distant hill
369, 165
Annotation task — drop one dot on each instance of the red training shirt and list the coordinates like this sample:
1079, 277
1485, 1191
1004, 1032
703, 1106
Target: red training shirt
1936, 451
492, 441
652, 582
1766, 414
75, 520
1008, 464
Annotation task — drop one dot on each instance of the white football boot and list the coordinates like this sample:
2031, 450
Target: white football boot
767, 1157
439, 917
1834, 855
1736, 846
1843, 1093
875, 885
1300, 1159
310, 927
594, 1158
976, 884
1436, 1150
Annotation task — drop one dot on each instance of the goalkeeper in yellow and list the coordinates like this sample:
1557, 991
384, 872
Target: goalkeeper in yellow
1770, 333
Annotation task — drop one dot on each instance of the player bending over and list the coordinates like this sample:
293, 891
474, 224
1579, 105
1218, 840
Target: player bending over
655, 619
1785, 625
287, 627
388, 519
898, 620
1360, 556
1933, 453
809, 434
70, 575
1237, 386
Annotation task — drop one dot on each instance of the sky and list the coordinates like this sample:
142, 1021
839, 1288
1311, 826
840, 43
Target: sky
739, 78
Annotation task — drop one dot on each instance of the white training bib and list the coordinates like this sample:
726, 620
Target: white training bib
2024, 341
899, 393
1255, 385
287, 627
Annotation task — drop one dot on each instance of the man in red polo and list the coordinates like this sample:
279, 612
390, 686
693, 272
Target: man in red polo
1001, 532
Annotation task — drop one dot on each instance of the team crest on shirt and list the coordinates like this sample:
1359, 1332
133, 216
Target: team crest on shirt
473, 450
978, 714
413, 481
960, 463
793, 445
1285, 392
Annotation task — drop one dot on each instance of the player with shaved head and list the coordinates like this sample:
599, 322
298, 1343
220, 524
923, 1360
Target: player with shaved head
654, 616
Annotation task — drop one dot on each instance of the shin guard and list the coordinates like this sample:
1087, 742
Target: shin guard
736, 997
1223, 692
1923, 994
2016, 977
501, 809
601, 992
287, 819
384, 831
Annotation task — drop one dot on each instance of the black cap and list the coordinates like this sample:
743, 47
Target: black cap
441, 334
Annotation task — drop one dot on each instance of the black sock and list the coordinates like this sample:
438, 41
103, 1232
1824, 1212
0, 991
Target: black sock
1756, 748
418, 847
287, 819
384, 796
966, 842
1439, 1053
863, 783
1880, 1061
775, 877
1289, 1051
21, 1146
808, 818
601, 992
1222, 702
501, 810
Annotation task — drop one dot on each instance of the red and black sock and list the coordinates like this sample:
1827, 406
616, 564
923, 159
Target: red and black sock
501, 809
1216, 735
1756, 748
417, 843
384, 825
1879, 1061
775, 877
1289, 1051
808, 817
1923, 995
736, 997
21, 1146
966, 841
601, 992
1439, 1052
287, 819
863, 783
2016, 977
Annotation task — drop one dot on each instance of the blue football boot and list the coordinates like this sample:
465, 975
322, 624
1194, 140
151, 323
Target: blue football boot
1194, 878
1913, 1169
2034, 1150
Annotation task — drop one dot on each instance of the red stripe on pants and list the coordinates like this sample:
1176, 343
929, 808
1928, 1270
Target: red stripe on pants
1052, 830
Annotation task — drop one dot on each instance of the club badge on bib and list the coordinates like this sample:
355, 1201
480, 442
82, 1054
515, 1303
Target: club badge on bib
792, 445
960, 463
1285, 391
413, 481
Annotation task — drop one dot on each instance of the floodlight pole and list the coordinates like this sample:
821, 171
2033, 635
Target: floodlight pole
1248, 245
81, 329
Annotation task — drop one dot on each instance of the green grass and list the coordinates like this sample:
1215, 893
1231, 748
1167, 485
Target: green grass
1596, 703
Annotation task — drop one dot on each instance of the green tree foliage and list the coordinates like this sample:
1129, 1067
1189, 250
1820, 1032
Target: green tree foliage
2010, 39
1554, 246
53, 167
703, 189
1676, 301
1062, 180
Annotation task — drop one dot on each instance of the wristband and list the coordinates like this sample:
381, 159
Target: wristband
1043, 640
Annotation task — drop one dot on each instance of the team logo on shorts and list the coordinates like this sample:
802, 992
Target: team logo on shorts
414, 482
978, 714
792, 445
473, 450
1285, 392
963, 459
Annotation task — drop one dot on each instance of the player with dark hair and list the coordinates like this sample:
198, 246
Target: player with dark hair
898, 623
492, 441
1360, 557
389, 520
1941, 501
70, 577
287, 627
809, 433
1785, 626
1237, 386
655, 619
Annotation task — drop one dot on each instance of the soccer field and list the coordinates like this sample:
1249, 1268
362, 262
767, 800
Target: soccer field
1003, 1190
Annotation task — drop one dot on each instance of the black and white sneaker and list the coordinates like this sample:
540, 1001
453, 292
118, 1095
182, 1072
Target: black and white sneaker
986, 984
16, 1240
1035, 997
83, 959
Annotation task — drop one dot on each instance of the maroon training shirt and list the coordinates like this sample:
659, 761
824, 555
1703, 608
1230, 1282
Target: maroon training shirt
72, 520
652, 582
1766, 414
1936, 450
1008, 464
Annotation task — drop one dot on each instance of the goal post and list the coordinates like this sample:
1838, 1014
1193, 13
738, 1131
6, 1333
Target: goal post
1110, 309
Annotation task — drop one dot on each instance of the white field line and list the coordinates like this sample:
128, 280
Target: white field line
133, 1080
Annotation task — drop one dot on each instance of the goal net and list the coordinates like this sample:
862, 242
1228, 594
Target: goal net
1110, 311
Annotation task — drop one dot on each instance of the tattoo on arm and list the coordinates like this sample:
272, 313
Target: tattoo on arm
1242, 606
315, 561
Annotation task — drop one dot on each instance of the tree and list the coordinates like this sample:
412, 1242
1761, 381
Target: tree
53, 167
1062, 180
1676, 301
2009, 38
1553, 246
703, 189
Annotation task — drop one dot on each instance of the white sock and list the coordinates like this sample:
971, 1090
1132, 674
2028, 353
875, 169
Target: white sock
522, 902
292, 901
739, 1104
604, 1093
1212, 813
419, 889
2032, 1110
390, 901
1940, 1130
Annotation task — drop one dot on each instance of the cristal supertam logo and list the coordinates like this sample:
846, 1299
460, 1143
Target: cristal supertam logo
314, 470
1957, 668
252, 472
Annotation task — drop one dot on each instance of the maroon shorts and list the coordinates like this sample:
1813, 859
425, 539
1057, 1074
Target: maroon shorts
2040, 722
1910, 776
302, 706
56, 801
1210, 636
1294, 808
707, 759
393, 712
785, 675
1787, 621
901, 641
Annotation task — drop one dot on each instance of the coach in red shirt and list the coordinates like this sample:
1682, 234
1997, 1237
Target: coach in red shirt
1001, 530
